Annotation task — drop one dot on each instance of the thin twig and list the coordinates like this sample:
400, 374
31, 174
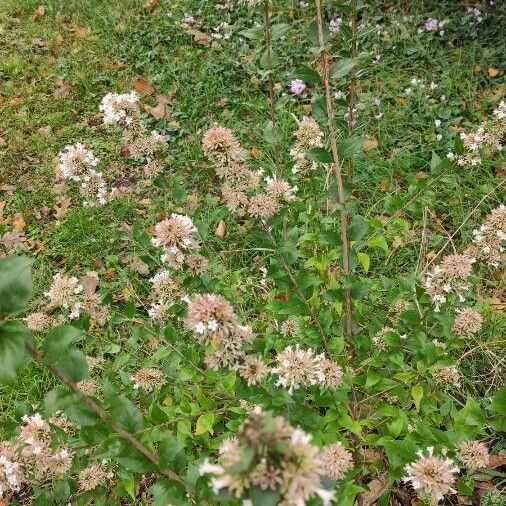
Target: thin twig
348, 328
270, 82
103, 416
353, 78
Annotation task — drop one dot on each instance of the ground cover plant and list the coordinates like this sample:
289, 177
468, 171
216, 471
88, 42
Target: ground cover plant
252, 253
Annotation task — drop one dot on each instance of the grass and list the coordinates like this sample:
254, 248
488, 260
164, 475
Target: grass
56, 67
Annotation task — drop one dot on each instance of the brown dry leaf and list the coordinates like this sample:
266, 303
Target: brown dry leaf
81, 32
384, 185
35, 246
12, 239
142, 85
62, 90
255, 152
7, 187
476, 69
58, 42
151, 4
401, 100
19, 223
110, 274
124, 151
160, 110
421, 175
3, 203
497, 461
492, 72
369, 144
91, 282
222, 102
61, 207
501, 172
376, 489
248, 58
139, 266
39, 11
221, 229
36, 41
199, 37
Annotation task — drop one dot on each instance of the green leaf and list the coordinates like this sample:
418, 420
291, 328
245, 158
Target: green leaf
205, 424
400, 453
170, 450
349, 424
470, 420
319, 108
358, 228
350, 146
364, 260
13, 337
279, 30
15, 284
313, 34
342, 67
167, 492
261, 497
73, 365
435, 161
378, 242
269, 132
347, 493
58, 341
308, 75
319, 155
254, 33
417, 394
125, 413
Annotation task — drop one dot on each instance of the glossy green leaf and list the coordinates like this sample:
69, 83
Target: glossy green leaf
15, 284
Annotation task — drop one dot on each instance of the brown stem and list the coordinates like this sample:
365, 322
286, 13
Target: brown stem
309, 308
336, 163
103, 416
270, 83
353, 77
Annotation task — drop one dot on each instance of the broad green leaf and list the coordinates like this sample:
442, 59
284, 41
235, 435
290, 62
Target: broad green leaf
205, 424
319, 155
125, 413
350, 146
167, 492
268, 132
378, 242
470, 420
254, 33
364, 260
342, 67
357, 228
15, 284
13, 337
347, 493
400, 453
417, 394
435, 161
319, 108
307, 75
279, 30
170, 450
313, 34
261, 497
73, 365
58, 341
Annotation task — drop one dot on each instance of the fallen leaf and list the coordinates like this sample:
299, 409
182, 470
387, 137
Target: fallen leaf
62, 90
7, 187
39, 11
3, 203
401, 100
124, 151
369, 144
476, 69
151, 4
255, 152
61, 207
221, 229
91, 282
497, 461
36, 41
160, 110
81, 32
19, 223
384, 185
139, 266
492, 72
12, 239
110, 274
142, 85
501, 172
199, 37
222, 102
376, 489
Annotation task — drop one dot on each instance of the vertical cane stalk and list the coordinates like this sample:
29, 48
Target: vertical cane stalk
336, 165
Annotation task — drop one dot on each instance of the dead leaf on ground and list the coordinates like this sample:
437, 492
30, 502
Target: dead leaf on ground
7, 187
142, 85
151, 4
81, 32
384, 185
19, 223
38, 42
497, 461
3, 203
221, 229
11, 240
160, 110
61, 207
91, 281
369, 144
376, 489
493, 72
62, 90
39, 11
199, 37
401, 100
501, 172
139, 266
116, 66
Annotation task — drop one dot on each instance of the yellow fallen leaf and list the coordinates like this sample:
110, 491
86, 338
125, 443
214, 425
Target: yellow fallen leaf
19, 223
493, 72
369, 144
221, 229
200, 38
81, 32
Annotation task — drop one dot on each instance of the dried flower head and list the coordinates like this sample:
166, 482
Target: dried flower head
75, 162
11, 470
448, 377
490, 237
473, 454
432, 477
451, 275
253, 370
221, 146
38, 322
120, 109
308, 135
166, 288
207, 313
280, 189
290, 327
263, 206
333, 373
336, 460
378, 339
88, 386
148, 379
93, 476
281, 458
468, 322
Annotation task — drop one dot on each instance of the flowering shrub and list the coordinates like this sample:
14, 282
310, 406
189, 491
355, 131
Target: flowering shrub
306, 377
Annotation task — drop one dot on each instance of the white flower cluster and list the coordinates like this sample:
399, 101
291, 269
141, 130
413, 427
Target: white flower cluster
119, 109
65, 292
75, 161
